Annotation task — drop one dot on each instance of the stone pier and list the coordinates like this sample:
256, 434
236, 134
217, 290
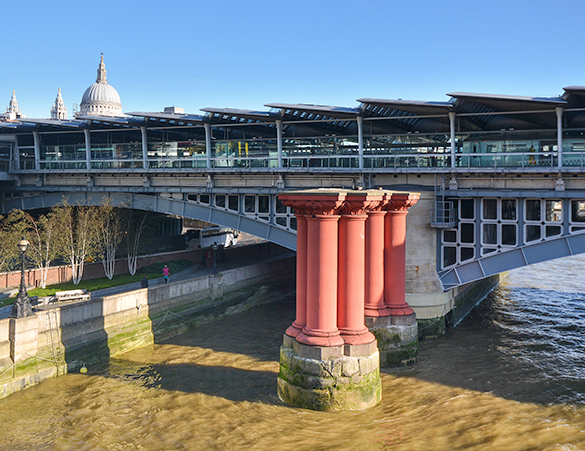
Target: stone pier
329, 359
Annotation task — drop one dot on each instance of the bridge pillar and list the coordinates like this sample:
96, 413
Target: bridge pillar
395, 325
301, 304
352, 268
320, 368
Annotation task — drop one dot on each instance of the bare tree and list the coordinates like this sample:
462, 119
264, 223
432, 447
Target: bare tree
81, 233
136, 222
110, 232
42, 234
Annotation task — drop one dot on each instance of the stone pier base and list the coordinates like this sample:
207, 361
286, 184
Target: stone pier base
329, 378
397, 338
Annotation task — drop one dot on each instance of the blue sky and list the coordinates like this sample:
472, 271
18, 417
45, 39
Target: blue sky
244, 54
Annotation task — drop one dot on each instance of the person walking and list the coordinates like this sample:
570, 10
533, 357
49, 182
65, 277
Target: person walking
144, 282
166, 273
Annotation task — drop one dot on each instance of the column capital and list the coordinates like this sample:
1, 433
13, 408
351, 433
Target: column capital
401, 202
313, 204
360, 204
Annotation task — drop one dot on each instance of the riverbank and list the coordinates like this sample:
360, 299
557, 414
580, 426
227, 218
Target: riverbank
64, 338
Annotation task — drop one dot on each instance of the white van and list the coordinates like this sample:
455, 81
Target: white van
222, 236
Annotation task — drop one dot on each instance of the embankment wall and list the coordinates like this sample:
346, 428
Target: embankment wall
65, 337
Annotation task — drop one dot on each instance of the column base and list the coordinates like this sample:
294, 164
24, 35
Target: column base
329, 378
397, 338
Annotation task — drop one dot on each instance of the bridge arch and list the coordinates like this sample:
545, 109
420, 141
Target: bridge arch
531, 254
268, 230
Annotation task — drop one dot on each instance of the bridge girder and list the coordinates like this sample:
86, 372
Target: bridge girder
285, 237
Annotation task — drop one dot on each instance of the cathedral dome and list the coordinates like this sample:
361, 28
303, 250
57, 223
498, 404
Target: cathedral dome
101, 98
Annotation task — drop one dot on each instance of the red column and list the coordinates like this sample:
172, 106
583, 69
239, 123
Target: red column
317, 235
301, 318
352, 267
321, 328
395, 255
374, 270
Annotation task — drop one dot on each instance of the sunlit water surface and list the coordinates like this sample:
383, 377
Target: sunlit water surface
511, 376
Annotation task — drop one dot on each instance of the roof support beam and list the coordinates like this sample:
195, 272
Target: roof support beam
37, 143
452, 117
87, 148
279, 141
144, 147
208, 144
360, 130
559, 111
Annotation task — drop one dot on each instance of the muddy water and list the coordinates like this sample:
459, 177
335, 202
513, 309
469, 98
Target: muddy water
509, 377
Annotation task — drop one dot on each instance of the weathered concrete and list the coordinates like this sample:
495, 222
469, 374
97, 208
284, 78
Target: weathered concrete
329, 378
397, 339
63, 338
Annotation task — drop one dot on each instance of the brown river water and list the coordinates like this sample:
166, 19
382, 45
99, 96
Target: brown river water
511, 376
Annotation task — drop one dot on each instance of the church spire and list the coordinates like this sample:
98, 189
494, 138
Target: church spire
59, 111
101, 77
13, 108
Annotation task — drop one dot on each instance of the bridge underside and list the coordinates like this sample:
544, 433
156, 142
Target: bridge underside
255, 223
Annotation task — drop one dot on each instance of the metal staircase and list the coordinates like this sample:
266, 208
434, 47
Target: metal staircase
444, 213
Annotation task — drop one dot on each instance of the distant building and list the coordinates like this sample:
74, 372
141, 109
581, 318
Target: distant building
100, 99
13, 111
59, 111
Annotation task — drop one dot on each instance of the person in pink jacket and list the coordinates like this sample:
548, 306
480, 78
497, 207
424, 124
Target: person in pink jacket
166, 272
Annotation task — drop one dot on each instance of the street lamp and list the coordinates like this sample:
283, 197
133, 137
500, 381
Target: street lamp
22, 307
214, 248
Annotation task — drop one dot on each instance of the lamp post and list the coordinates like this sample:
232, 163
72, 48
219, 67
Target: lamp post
214, 248
22, 307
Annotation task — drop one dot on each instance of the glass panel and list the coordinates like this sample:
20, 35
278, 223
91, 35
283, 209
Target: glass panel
220, 200
490, 234
467, 253
467, 232
533, 209
234, 203
192, 197
449, 236
263, 204
281, 221
293, 223
490, 210
578, 211
449, 256
280, 207
553, 231
467, 208
204, 199
553, 210
532, 233
249, 204
509, 209
509, 234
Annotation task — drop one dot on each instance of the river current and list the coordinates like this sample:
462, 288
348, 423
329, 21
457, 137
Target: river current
511, 376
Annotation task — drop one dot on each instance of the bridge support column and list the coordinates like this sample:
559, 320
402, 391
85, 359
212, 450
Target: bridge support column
395, 326
319, 370
301, 305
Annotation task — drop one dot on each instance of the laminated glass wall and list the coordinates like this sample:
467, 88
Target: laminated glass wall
327, 152
411, 150
261, 153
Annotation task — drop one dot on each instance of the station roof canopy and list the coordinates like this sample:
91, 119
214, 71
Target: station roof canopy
508, 103
152, 119
475, 112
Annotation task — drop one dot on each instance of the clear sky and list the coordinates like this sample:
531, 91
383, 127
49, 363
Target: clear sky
244, 54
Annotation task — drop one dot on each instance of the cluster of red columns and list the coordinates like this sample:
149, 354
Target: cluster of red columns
350, 263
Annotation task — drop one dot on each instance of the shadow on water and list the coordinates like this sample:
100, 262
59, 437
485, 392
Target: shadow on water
257, 332
234, 384
523, 344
